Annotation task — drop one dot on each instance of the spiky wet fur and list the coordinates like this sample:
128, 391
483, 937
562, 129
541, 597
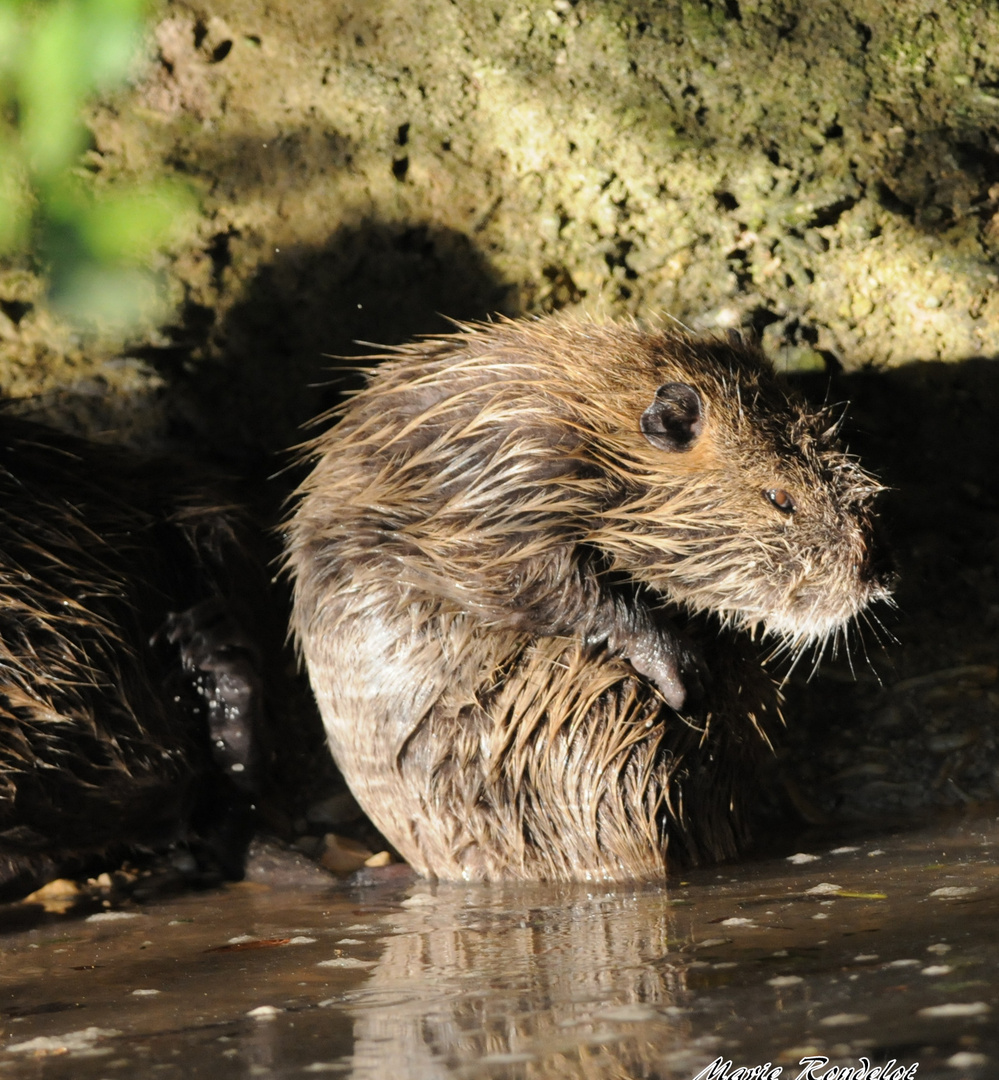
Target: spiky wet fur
468, 515
102, 747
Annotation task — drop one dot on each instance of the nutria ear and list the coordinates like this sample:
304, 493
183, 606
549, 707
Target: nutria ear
673, 421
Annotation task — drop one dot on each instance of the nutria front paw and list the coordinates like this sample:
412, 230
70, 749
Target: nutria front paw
653, 646
674, 665
223, 663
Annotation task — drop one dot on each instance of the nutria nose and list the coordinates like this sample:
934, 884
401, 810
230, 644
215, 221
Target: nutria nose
879, 567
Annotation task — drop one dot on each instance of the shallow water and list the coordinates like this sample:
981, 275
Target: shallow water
887, 948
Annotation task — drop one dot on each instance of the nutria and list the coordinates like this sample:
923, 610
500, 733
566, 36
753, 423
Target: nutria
527, 565
129, 686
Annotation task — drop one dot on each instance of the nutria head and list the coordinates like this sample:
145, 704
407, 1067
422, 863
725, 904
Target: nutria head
733, 498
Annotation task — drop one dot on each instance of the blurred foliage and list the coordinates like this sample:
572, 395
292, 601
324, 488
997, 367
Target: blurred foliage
94, 243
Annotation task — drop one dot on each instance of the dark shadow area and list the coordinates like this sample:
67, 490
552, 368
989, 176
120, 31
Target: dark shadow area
926, 735
275, 362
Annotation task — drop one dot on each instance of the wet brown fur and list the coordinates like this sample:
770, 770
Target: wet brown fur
490, 556
103, 741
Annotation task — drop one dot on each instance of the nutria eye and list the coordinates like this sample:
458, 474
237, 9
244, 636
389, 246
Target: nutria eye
781, 500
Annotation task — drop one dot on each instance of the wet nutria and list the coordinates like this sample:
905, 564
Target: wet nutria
129, 687
527, 565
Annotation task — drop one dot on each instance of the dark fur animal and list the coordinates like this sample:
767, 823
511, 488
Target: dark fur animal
503, 561
129, 687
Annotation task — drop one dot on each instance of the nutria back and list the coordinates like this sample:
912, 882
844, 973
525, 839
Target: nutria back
526, 565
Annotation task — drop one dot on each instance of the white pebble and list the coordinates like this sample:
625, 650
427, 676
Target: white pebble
955, 1008
825, 888
83, 1039
965, 1059
844, 1019
264, 1012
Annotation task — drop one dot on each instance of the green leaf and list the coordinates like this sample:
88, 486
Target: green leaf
127, 226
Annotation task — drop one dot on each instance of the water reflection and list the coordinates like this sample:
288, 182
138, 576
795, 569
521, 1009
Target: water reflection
881, 949
539, 981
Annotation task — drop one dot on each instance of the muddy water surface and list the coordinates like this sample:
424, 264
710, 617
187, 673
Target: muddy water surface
883, 949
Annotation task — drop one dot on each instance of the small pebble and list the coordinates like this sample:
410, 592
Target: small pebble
955, 1008
264, 1012
83, 1039
965, 1059
419, 900
844, 1019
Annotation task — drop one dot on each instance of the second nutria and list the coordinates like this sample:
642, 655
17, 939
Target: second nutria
511, 561
131, 600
